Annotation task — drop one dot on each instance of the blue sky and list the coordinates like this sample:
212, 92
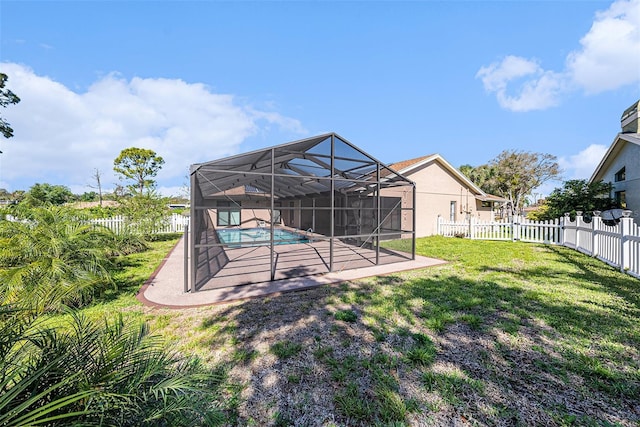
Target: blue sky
200, 80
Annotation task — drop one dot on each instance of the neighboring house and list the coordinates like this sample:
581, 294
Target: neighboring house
621, 163
442, 190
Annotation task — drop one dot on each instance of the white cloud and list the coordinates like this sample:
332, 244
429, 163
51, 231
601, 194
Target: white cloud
607, 59
496, 76
62, 136
583, 164
609, 56
540, 91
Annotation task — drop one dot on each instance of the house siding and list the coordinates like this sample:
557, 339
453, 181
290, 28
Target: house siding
629, 158
436, 188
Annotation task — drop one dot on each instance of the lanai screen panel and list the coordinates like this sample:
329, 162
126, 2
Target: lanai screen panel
306, 207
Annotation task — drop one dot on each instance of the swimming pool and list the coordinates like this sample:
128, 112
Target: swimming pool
237, 237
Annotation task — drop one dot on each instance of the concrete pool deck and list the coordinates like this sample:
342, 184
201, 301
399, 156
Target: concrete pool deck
165, 288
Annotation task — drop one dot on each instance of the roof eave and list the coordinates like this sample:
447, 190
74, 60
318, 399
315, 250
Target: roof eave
449, 167
605, 159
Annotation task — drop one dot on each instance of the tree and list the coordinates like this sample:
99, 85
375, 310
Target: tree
517, 173
482, 176
577, 195
6, 98
88, 196
18, 195
144, 212
42, 194
138, 165
96, 176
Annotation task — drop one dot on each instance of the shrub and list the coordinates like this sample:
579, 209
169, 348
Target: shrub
127, 243
89, 373
52, 257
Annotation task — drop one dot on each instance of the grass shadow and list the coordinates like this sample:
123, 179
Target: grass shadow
507, 334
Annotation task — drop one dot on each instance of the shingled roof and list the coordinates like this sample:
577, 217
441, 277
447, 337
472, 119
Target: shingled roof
404, 167
398, 166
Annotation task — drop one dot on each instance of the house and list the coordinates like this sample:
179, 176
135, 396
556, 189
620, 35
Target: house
442, 190
621, 163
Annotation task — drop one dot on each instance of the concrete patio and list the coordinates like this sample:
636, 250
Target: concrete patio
165, 288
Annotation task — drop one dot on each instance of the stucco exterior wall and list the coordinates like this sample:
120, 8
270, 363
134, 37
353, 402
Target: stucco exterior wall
629, 158
249, 217
400, 198
254, 213
436, 189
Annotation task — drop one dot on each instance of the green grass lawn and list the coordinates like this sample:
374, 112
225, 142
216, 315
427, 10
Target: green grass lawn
505, 334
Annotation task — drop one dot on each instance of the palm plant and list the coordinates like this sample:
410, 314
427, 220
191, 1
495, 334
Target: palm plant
28, 393
89, 373
52, 257
82, 372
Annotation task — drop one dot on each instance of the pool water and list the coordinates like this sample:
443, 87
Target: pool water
237, 237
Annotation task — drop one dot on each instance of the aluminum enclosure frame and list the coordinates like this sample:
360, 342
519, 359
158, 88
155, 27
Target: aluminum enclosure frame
325, 169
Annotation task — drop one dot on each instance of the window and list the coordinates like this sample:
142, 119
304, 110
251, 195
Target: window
228, 215
621, 175
486, 204
621, 198
452, 211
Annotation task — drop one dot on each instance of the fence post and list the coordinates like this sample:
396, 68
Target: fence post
595, 227
625, 245
578, 222
563, 228
513, 229
439, 225
472, 233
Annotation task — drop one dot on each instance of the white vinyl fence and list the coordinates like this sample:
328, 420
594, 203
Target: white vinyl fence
175, 223
118, 224
617, 245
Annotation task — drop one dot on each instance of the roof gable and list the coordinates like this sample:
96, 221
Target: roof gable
407, 167
614, 150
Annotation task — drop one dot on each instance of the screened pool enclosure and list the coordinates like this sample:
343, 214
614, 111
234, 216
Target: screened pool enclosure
307, 207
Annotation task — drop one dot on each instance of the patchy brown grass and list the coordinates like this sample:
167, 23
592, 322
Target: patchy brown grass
507, 334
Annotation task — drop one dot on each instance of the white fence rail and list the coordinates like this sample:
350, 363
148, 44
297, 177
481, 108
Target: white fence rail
119, 224
175, 223
617, 245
